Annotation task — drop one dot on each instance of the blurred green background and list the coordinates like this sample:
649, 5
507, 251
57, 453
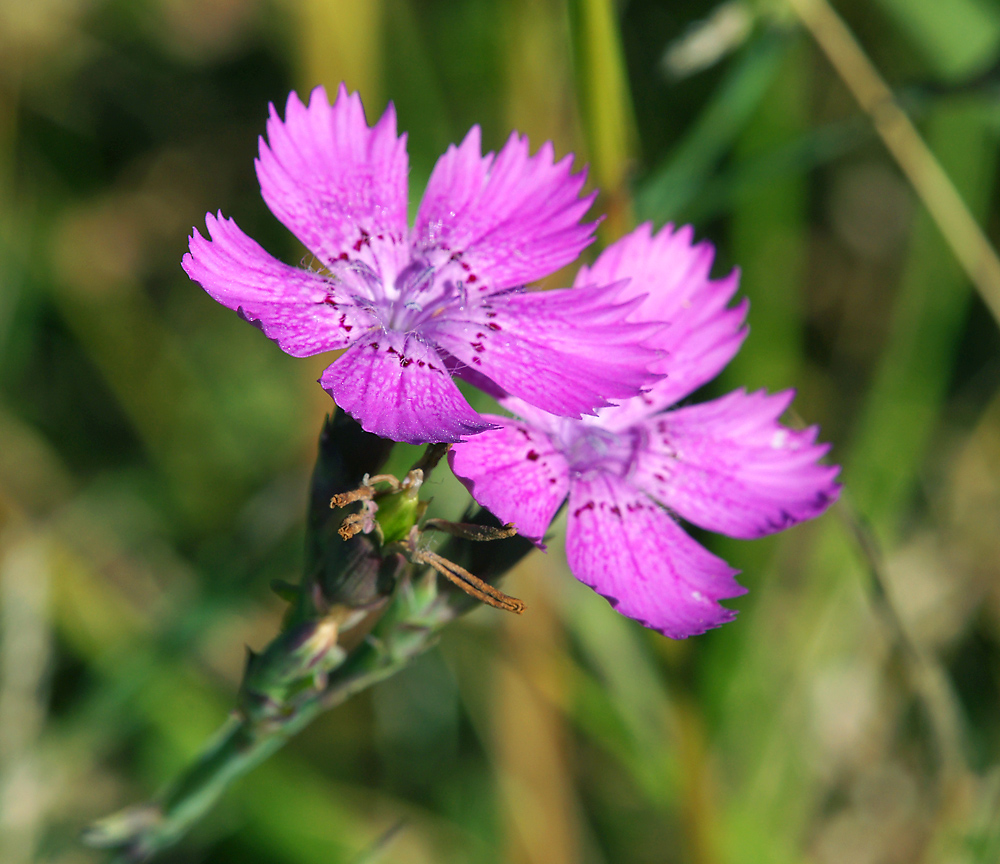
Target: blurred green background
155, 450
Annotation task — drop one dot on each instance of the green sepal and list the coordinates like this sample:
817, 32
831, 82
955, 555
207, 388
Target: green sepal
398, 513
299, 659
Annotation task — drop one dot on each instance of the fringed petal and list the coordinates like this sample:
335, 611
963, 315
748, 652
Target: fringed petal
702, 334
729, 466
397, 387
492, 223
629, 550
304, 312
338, 185
567, 351
516, 473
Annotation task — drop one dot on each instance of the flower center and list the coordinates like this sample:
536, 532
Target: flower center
588, 447
404, 303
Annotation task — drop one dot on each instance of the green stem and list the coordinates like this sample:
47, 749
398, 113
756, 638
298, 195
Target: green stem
237, 749
408, 627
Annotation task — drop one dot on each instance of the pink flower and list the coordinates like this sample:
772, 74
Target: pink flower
412, 306
725, 465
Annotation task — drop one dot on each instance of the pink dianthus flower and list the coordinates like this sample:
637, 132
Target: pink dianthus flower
726, 465
413, 306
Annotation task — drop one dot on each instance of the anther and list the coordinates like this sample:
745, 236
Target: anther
342, 499
352, 524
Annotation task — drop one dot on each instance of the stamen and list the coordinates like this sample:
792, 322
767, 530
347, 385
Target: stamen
468, 531
366, 491
471, 585
352, 524
365, 522
384, 478
417, 276
342, 499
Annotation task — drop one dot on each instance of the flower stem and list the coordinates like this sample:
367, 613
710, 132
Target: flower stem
248, 737
323, 654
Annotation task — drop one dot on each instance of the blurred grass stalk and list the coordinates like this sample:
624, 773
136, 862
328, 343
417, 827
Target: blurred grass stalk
26, 634
26, 648
917, 161
530, 735
769, 234
673, 185
342, 41
606, 107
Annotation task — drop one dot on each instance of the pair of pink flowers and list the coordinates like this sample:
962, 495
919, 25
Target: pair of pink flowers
587, 372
